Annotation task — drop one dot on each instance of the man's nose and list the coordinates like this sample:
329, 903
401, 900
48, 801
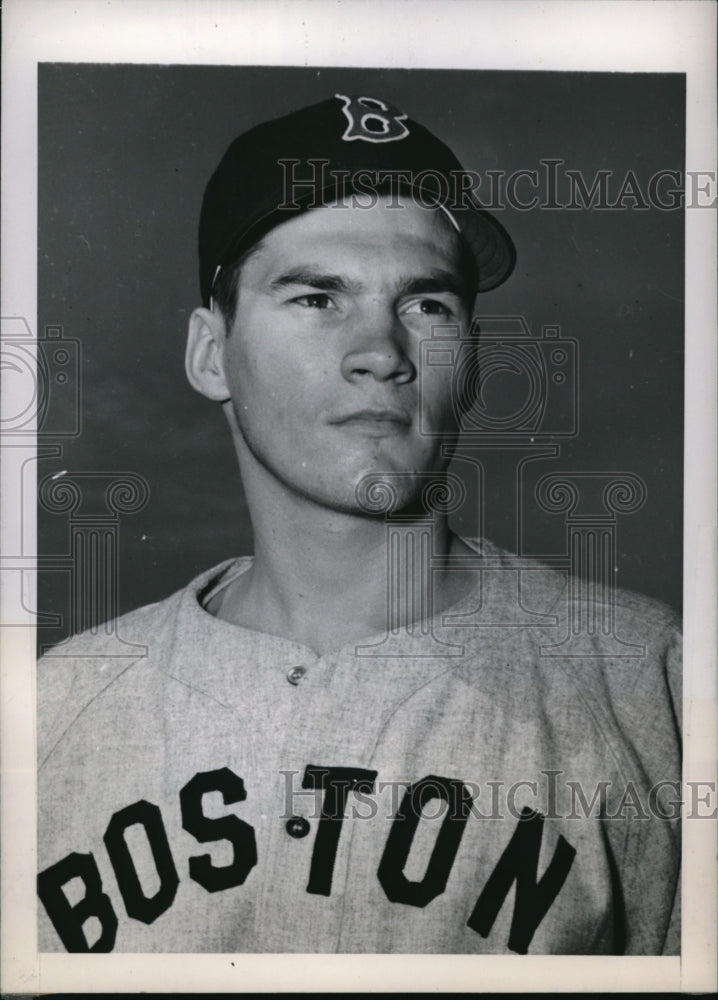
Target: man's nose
378, 349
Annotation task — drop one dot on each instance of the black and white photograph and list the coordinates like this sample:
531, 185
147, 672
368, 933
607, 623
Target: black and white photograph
354, 439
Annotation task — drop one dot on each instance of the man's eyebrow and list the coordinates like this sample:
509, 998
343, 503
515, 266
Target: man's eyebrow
435, 282
315, 279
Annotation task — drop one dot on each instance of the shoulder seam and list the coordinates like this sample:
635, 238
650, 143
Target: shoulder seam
87, 704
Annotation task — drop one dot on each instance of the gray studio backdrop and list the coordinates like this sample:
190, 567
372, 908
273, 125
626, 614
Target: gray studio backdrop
124, 154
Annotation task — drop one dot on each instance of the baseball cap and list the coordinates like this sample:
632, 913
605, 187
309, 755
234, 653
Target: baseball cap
348, 143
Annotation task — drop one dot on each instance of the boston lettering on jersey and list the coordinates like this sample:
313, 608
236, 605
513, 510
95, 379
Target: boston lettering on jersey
518, 863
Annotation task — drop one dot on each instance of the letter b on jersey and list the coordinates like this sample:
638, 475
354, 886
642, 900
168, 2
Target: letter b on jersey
67, 918
372, 120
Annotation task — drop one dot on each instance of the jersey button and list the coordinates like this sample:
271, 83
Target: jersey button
295, 674
297, 827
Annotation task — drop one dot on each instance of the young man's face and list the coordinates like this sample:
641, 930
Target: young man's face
323, 358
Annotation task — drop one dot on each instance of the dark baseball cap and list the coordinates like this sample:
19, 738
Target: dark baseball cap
313, 156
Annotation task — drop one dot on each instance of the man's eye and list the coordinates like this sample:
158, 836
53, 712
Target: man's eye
315, 300
429, 307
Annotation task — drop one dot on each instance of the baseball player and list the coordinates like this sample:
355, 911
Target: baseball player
372, 735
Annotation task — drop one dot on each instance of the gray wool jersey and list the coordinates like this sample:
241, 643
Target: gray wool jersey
502, 778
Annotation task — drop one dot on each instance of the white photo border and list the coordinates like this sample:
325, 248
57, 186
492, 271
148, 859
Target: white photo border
600, 35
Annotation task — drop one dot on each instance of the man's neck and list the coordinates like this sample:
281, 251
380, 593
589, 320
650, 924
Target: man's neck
326, 578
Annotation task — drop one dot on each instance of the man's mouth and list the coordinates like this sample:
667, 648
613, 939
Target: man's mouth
386, 419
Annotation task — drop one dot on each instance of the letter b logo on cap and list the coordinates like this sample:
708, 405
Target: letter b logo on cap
372, 120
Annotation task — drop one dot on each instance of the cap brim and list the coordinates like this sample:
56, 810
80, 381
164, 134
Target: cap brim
492, 246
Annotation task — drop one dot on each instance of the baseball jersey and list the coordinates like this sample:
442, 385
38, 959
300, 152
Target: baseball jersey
488, 780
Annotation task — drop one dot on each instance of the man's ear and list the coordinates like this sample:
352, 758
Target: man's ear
204, 358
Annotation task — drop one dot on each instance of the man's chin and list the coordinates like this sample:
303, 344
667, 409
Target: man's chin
374, 493
394, 491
